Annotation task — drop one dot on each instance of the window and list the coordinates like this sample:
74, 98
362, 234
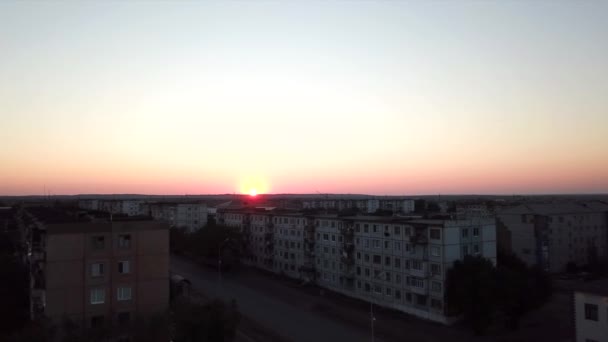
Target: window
387, 261
408, 297
377, 288
435, 251
377, 259
367, 272
124, 293
366, 228
366, 287
591, 312
376, 243
358, 255
420, 300
435, 234
124, 267
358, 270
417, 265
97, 322
366, 257
476, 249
416, 282
398, 279
397, 245
475, 232
97, 270
436, 286
124, 241
123, 318
98, 242
465, 232
435, 269
375, 228
465, 250
387, 244
326, 237
436, 303
397, 263
397, 230
397, 294
98, 296
333, 237
389, 292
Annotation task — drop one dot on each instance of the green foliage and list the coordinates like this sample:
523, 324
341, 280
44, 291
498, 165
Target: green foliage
211, 322
471, 290
205, 243
479, 290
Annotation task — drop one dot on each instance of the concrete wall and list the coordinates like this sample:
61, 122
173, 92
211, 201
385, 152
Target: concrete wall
588, 329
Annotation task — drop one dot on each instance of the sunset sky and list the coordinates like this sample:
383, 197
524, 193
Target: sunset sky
392, 97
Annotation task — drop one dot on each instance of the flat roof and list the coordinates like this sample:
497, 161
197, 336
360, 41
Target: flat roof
598, 287
104, 227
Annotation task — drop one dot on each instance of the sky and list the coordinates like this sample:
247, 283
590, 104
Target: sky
375, 97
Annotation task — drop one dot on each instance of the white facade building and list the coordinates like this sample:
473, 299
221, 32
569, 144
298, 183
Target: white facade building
553, 235
394, 262
591, 312
192, 216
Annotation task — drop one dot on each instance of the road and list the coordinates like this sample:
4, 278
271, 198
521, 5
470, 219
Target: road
281, 307
287, 318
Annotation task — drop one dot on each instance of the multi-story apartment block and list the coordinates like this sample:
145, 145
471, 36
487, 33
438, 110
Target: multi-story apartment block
394, 262
192, 216
367, 205
553, 235
97, 272
591, 311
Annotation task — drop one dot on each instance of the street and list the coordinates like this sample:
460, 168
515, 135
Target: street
287, 319
281, 310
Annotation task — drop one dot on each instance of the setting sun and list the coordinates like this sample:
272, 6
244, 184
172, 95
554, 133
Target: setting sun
253, 192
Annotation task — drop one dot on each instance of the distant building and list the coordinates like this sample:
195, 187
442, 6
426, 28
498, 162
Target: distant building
394, 262
364, 205
96, 272
552, 235
192, 216
591, 312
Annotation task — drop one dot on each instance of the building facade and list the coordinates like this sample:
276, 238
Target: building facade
553, 235
393, 262
591, 312
99, 274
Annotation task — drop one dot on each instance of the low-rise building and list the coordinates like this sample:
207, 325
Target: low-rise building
591, 311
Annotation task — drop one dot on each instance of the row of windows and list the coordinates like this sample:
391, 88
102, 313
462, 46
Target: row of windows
99, 242
98, 295
97, 269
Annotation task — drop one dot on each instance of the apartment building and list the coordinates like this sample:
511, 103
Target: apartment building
365, 205
394, 262
97, 272
591, 311
555, 234
192, 216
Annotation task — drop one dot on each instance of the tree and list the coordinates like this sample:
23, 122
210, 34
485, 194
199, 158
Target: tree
471, 290
211, 322
520, 288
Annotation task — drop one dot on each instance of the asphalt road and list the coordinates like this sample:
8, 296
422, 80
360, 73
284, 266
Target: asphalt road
287, 319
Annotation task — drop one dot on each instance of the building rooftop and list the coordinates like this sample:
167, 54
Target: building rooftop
104, 227
598, 287
556, 208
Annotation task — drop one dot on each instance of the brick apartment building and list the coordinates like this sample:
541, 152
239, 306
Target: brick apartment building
96, 272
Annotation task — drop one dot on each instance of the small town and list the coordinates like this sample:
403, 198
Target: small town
304, 171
